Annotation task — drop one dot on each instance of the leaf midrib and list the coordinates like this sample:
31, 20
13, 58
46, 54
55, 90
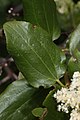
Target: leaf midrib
33, 51
32, 65
45, 50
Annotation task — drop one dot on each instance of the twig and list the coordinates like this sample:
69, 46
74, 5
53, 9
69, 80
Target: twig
10, 74
1, 32
67, 81
4, 80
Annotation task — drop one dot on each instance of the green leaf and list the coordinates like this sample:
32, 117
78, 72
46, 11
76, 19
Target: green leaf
74, 46
74, 63
36, 56
75, 40
51, 106
43, 14
38, 112
73, 66
18, 101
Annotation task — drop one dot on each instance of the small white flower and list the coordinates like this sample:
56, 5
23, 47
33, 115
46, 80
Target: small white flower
70, 98
75, 115
59, 107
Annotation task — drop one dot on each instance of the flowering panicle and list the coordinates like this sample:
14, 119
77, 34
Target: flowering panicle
70, 98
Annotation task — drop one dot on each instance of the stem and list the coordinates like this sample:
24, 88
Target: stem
66, 78
4, 80
60, 83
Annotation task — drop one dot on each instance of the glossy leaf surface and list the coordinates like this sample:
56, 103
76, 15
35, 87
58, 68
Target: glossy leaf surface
42, 13
36, 56
18, 101
75, 40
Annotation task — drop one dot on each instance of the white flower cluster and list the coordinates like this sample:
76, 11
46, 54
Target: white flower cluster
70, 98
